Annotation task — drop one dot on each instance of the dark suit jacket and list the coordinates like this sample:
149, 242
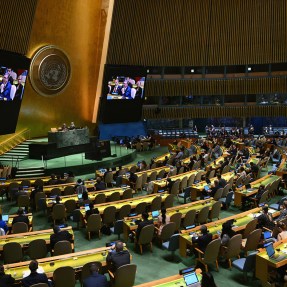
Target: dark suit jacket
118, 259
21, 218
19, 93
60, 236
96, 280
139, 92
141, 225
6, 280
35, 278
222, 182
116, 90
202, 241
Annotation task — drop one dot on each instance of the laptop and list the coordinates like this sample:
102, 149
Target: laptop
248, 186
155, 214
5, 217
271, 253
160, 191
206, 188
191, 280
80, 196
87, 207
267, 235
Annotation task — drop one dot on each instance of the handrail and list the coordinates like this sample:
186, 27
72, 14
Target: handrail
13, 141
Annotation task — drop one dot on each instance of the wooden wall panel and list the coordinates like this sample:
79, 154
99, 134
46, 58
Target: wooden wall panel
172, 88
16, 20
198, 32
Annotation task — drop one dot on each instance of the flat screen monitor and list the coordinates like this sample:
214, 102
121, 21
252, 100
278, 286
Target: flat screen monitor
13, 78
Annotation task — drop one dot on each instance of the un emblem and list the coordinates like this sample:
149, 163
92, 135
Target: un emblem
50, 71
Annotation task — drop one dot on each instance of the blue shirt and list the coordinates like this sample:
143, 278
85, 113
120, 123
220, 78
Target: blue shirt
96, 280
3, 226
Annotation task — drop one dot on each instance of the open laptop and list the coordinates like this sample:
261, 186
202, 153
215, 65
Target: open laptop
5, 217
191, 280
80, 195
206, 188
267, 235
271, 253
87, 207
155, 214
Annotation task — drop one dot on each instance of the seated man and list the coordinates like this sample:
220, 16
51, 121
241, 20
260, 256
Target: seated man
60, 235
204, 239
95, 279
100, 185
34, 277
5, 279
117, 257
21, 217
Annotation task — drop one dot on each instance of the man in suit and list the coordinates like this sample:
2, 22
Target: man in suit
145, 221
126, 91
139, 91
59, 235
5, 88
5, 279
116, 89
117, 257
221, 181
34, 277
19, 90
204, 239
21, 217
100, 185
95, 279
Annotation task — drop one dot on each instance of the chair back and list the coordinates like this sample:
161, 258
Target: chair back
109, 215
85, 272
264, 197
12, 252
125, 276
203, 215
64, 276
62, 247
70, 205
156, 203
215, 210
183, 183
250, 226
191, 180
38, 182
108, 178
211, 174
144, 179
253, 240
141, 207
161, 174
153, 176
23, 201
225, 169
115, 196
234, 246
174, 242
212, 251
176, 218
167, 231
119, 227
77, 215
69, 190
218, 194
94, 223
169, 201
250, 262
124, 211
13, 189
225, 190
229, 198
37, 249
100, 198
55, 191
199, 175
146, 234
138, 185
173, 172
19, 227
189, 218
181, 170
59, 212
175, 188
128, 193
25, 182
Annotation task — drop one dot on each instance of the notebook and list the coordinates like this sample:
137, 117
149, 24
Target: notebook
191, 280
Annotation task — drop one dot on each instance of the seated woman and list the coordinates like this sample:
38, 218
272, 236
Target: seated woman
227, 232
163, 219
282, 231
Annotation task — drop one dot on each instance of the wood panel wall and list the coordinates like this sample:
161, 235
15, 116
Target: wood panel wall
198, 32
152, 112
16, 20
216, 87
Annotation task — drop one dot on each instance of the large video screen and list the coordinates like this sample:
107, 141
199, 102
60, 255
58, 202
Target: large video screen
13, 75
122, 94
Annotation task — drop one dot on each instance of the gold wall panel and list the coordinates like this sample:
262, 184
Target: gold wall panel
198, 32
212, 111
77, 27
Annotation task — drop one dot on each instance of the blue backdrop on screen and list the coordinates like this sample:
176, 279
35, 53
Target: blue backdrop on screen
13, 75
122, 94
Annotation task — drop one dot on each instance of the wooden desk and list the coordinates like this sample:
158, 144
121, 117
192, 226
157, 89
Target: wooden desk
76, 260
216, 163
171, 281
5, 183
282, 169
264, 265
11, 217
88, 183
242, 192
131, 201
129, 224
242, 219
25, 238
161, 183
